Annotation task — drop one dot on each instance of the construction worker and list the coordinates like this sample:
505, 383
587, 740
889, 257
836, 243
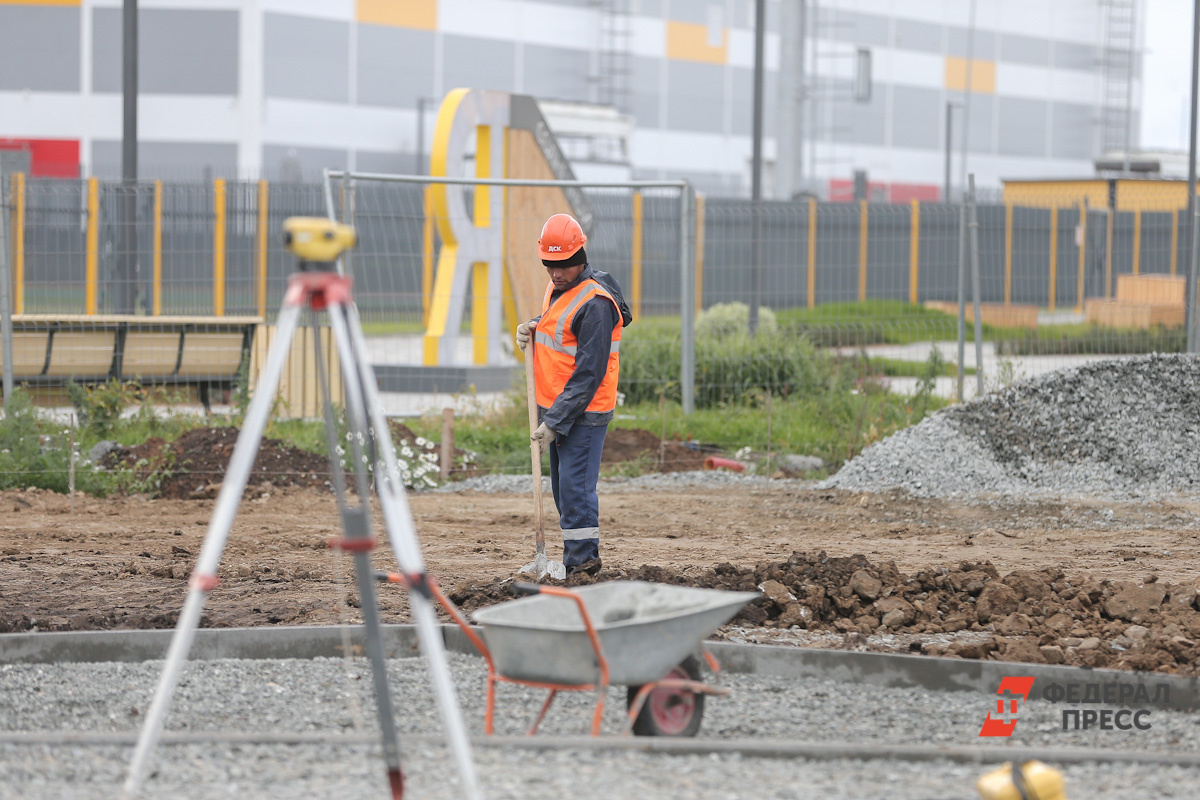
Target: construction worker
576, 362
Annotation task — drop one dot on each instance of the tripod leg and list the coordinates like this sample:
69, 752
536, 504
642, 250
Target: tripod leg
356, 523
204, 578
402, 535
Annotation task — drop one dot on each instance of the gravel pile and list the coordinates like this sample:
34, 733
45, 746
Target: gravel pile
332, 697
1126, 429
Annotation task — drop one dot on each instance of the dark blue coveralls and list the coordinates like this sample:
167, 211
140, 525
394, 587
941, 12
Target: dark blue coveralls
579, 434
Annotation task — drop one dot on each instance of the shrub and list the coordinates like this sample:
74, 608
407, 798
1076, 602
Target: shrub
34, 451
730, 366
730, 319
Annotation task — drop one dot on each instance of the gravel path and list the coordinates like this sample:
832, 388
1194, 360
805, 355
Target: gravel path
325, 696
1121, 429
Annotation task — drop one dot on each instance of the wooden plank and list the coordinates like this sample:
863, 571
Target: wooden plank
1121, 314
211, 353
152, 354
29, 353
998, 314
81, 353
1153, 289
526, 209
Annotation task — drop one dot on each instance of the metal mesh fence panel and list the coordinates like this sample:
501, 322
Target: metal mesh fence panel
845, 280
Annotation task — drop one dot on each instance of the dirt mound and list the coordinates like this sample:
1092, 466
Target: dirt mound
194, 464
637, 444
1033, 616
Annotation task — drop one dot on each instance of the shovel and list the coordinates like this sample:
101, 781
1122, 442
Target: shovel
541, 566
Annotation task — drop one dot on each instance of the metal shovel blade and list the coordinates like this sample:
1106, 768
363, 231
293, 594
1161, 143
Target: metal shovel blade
543, 567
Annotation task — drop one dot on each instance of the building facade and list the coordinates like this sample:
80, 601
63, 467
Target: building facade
641, 88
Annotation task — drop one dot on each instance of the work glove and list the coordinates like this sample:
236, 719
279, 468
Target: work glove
544, 437
524, 331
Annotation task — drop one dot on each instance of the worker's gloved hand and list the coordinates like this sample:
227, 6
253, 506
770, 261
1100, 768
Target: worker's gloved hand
524, 331
543, 436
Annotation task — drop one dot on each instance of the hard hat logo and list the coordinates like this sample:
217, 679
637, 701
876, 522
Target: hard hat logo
562, 237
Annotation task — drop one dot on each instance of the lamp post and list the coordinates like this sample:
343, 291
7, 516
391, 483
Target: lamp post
950, 106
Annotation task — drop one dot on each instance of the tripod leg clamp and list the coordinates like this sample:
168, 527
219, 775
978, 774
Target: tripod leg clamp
205, 583
356, 545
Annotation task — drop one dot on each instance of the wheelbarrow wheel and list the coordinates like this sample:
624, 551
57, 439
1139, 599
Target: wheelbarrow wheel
670, 712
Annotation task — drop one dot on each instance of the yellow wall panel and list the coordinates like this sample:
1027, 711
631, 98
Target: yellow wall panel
1056, 194
983, 75
420, 14
690, 42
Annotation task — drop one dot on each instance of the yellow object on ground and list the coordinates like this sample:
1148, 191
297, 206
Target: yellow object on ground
1040, 781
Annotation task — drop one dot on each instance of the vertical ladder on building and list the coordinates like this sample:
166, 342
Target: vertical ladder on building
611, 66
1117, 61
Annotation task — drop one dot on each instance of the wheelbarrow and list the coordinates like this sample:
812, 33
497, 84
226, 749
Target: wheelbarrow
642, 635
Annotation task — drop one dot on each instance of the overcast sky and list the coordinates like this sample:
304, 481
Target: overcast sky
1168, 71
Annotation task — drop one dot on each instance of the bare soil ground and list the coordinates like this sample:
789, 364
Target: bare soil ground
1035, 581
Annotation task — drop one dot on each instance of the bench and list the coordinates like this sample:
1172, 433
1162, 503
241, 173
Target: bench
204, 352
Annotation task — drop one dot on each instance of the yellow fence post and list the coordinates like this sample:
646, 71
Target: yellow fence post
1112, 214
636, 256
92, 263
1083, 211
914, 252
219, 247
1008, 246
156, 301
1053, 253
699, 253
1137, 241
1174, 240
862, 250
812, 253
427, 255
264, 222
18, 241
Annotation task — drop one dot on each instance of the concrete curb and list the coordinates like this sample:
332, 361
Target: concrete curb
753, 748
400, 641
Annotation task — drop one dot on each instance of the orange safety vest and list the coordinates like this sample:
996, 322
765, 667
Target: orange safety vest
554, 353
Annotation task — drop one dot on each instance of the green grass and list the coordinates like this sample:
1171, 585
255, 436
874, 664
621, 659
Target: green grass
870, 322
901, 368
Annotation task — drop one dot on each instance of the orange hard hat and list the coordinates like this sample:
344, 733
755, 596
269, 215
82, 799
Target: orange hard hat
561, 238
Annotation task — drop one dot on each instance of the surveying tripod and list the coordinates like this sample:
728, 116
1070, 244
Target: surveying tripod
317, 286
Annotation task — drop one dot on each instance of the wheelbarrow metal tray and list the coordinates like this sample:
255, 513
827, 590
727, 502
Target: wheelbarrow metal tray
645, 629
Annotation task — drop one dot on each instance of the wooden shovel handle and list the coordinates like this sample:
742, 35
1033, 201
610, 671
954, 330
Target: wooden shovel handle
534, 451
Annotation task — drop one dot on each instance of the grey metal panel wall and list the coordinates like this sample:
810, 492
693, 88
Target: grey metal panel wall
168, 160
180, 51
556, 73
306, 58
393, 66
40, 50
692, 103
477, 63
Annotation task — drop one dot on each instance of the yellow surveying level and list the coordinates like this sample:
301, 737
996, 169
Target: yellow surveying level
316, 238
